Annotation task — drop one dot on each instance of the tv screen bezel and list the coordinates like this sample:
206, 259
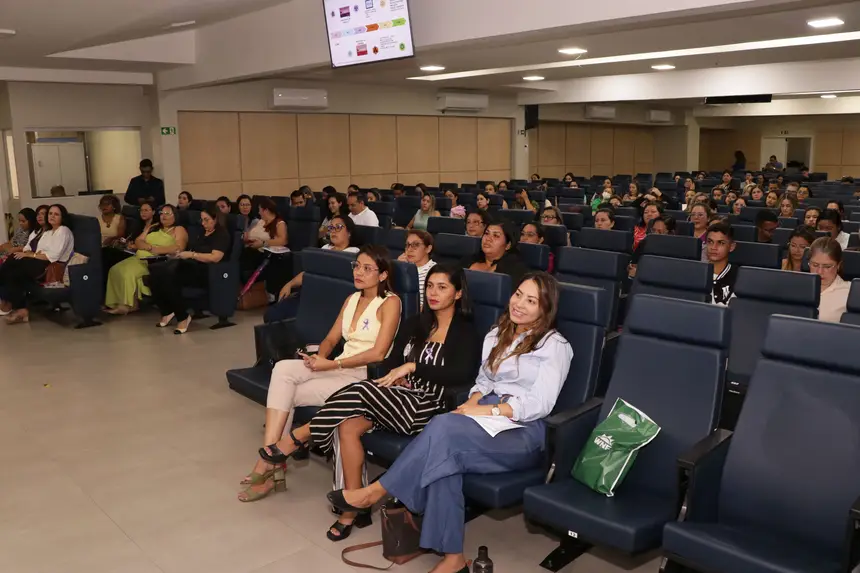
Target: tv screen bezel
331, 55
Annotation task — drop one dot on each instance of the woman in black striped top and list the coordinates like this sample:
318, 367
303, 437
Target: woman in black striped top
437, 348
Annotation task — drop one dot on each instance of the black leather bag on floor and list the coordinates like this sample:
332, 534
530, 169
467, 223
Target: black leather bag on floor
401, 535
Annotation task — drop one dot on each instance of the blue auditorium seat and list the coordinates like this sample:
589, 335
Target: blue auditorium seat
573, 221
763, 255
556, 236
675, 246
384, 212
852, 314
602, 269
405, 282
625, 223
446, 225
535, 256
673, 278
303, 227
366, 235
395, 242
780, 494
405, 208
664, 341
453, 248
518, 217
745, 233
617, 241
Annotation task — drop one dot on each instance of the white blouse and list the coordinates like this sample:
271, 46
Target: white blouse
58, 245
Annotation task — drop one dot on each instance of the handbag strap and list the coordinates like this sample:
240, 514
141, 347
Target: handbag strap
360, 547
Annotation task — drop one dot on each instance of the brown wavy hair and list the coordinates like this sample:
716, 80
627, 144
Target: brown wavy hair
548, 302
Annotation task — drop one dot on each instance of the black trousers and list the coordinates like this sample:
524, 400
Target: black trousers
18, 277
276, 274
166, 280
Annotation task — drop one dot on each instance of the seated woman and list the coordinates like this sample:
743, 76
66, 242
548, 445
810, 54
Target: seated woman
498, 252
476, 223
551, 216
535, 234
799, 240
340, 231
787, 205
490, 189
427, 210
190, 270
604, 219
125, 285
367, 321
457, 211
26, 225
336, 204
632, 195
602, 197
482, 201
830, 222
525, 364
112, 225
771, 200
524, 202
270, 230
245, 207
825, 260
224, 206
810, 217
184, 201
650, 211
738, 205
21, 272
419, 246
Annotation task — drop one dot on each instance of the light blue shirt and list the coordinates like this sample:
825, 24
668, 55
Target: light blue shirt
533, 381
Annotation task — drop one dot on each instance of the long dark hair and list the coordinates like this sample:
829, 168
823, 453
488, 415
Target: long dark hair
349, 224
427, 321
270, 206
220, 218
46, 208
511, 237
380, 256
30, 216
507, 330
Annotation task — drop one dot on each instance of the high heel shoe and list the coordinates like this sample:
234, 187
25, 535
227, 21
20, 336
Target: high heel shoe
361, 521
165, 322
280, 484
255, 478
336, 499
277, 456
179, 330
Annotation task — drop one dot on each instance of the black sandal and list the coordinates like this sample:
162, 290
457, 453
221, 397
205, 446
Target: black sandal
361, 521
277, 456
338, 501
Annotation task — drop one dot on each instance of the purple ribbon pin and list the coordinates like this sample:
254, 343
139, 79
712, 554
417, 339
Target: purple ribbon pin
366, 324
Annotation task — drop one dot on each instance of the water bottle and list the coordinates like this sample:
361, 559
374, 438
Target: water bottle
483, 564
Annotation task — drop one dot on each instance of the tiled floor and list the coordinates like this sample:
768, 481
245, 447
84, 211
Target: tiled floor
121, 448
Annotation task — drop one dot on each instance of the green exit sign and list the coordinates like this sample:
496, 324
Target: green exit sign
168, 131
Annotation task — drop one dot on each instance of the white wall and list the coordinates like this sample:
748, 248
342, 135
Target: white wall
625, 113
113, 158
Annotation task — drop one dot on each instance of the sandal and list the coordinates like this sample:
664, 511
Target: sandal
337, 500
17, 318
361, 521
255, 478
165, 322
276, 456
279, 484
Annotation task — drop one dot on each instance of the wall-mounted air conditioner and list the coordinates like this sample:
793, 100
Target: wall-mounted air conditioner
290, 98
462, 102
659, 116
599, 112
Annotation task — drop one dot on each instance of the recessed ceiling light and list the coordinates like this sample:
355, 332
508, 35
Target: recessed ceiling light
182, 24
432, 68
572, 51
663, 67
828, 96
6, 33
825, 22
533, 78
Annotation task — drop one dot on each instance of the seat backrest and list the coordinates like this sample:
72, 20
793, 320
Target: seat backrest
760, 293
303, 227
602, 269
852, 314
584, 315
490, 294
684, 228
573, 221
327, 282
746, 233
405, 281
405, 208
664, 341
674, 278
446, 225
518, 217
624, 223
793, 462
384, 212
451, 249
555, 236
395, 241
535, 256
851, 264
617, 241
365, 235
88, 236
763, 255
675, 246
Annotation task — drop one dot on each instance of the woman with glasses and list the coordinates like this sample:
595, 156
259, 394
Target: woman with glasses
419, 245
700, 217
476, 223
498, 252
551, 216
799, 240
535, 234
367, 322
825, 260
340, 233
125, 285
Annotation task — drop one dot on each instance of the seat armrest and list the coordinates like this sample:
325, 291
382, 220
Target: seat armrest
455, 395
700, 471
851, 553
376, 370
276, 341
567, 433
607, 362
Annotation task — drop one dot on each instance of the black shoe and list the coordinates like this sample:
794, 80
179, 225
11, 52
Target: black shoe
361, 521
337, 500
277, 456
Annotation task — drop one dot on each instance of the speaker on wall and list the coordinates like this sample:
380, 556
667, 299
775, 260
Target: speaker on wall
532, 116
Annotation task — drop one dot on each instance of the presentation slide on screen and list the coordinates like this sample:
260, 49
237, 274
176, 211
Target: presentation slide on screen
365, 31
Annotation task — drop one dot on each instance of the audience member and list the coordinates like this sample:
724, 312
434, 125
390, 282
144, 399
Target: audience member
498, 252
772, 164
422, 215
270, 230
601, 196
700, 216
373, 196
837, 206
568, 178
353, 187
771, 200
831, 222
419, 247
650, 211
632, 194
738, 205
719, 244
190, 269
58, 191
359, 212
615, 201
454, 196
184, 201
523, 202
503, 186
309, 195
145, 188
551, 216
787, 206
726, 182
573, 184
748, 180
717, 194
535, 234
773, 185
113, 230
476, 223
799, 240
525, 363
125, 284
689, 198
397, 190
825, 260
766, 223
368, 322
297, 199
20, 273
604, 219
27, 224
730, 198
482, 201
224, 208
740, 162
245, 207
803, 193
490, 189
335, 205
756, 194
810, 217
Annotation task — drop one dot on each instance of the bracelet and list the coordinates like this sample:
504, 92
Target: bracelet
339, 364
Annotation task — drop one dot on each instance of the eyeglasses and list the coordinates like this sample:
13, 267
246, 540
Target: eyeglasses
414, 245
549, 218
338, 227
820, 267
366, 269
529, 234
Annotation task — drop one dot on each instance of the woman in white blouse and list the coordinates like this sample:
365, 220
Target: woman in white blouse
21, 274
525, 364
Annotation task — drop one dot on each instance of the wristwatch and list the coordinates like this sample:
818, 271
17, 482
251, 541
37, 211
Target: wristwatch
496, 411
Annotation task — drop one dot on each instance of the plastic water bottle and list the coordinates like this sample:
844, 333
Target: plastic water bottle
483, 564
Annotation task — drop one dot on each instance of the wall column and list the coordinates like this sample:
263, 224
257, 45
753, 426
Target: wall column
520, 144
693, 133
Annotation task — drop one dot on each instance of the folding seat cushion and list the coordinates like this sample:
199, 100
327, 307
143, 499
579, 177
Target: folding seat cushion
675, 246
590, 267
446, 225
673, 278
778, 496
664, 340
452, 249
618, 241
762, 255
535, 256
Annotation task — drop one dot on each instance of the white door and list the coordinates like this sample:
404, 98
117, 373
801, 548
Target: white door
46, 167
772, 146
73, 167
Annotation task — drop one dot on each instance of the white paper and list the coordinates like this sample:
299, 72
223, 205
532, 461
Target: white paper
495, 424
277, 250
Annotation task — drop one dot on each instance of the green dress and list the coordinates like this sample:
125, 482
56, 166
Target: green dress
125, 280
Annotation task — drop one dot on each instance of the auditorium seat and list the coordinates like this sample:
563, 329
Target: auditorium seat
573, 221
675, 246
219, 296
405, 281
788, 222
852, 314
555, 236
452, 249
303, 227
624, 223
517, 217
446, 225
395, 242
764, 255
745, 233
535, 256
673, 278
384, 212
780, 494
663, 343
590, 267
405, 208
617, 241
684, 228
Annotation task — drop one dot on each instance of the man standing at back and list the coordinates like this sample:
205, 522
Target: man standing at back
358, 210
145, 188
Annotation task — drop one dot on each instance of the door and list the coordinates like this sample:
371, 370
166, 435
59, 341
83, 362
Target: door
46, 167
799, 151
772, 146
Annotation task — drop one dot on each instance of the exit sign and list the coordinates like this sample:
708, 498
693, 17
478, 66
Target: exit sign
168, 131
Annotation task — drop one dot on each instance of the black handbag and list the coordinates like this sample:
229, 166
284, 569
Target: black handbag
276, 341
401, 535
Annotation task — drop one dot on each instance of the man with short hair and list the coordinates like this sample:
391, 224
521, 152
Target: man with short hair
145, 188
719, 243
397, 190
358, 210
766, 223
297, 199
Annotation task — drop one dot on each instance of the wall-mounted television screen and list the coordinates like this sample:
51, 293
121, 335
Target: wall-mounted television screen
367, 31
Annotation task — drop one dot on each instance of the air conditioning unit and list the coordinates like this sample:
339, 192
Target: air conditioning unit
659, 116
290, 98
599, 112
462, 102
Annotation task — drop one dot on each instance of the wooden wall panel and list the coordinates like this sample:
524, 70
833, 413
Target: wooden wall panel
551, 144
494, 144
497, 175
644, 152
828, 148
230, 189
417, 144
458, 144
339, 182
431, 179
373, 144
276, 187
323, 145
458, 176
624, 151
602, 150
850, 147
577, 151
604, 169
382, 181
209, 147
269, 146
